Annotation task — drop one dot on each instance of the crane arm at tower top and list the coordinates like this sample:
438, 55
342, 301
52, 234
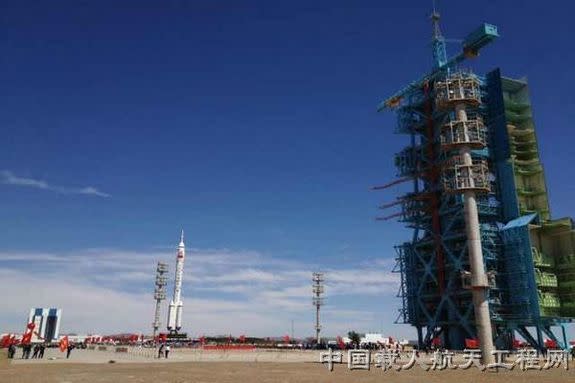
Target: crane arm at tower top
472, 44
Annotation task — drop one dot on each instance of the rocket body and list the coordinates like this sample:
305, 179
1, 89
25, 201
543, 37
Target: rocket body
176, 305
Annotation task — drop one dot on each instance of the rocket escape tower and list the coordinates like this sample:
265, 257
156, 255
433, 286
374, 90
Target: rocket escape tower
486, 261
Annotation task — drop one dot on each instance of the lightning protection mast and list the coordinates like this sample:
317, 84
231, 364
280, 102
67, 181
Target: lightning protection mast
318, 290
159, 294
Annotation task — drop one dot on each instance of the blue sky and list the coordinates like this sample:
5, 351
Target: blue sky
250, 124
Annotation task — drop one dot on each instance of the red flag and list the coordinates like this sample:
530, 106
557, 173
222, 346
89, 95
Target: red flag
550, 343
517, 343
63, 343
5, 342
471, 343
27, 337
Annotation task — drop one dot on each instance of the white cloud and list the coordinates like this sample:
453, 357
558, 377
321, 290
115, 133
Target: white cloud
9, 178
109, 290
89, 190
248, 275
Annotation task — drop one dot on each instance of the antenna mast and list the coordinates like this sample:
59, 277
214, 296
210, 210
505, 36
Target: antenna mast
438, 41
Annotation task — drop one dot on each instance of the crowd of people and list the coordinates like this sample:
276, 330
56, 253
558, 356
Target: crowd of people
37, 351
28, 352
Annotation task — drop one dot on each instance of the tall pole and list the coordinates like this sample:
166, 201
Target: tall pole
159, 294
318, 290
479, 283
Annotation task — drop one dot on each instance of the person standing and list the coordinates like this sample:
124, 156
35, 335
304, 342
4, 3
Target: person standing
160, 351
26, 349
36, 349
167, 351
69, 350
42, 349
11, 351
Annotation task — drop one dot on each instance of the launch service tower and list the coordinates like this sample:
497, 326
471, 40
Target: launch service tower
486, 261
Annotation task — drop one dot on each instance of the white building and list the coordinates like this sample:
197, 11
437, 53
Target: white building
47, 321
375, 338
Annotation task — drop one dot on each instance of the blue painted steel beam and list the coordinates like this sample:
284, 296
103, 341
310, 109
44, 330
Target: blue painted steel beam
475, 41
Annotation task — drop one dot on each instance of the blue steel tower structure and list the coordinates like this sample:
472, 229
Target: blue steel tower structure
472, 136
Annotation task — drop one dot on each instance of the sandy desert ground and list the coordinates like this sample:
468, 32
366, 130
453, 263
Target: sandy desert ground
178, 370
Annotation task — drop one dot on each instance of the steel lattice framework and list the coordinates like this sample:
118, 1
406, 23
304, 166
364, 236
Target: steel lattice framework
529, 280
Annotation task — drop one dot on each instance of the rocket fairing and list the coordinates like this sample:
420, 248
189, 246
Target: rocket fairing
176, 304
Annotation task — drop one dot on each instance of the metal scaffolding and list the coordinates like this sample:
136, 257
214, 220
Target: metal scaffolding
483, 260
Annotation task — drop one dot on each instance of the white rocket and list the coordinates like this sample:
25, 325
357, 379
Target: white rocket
176, 304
